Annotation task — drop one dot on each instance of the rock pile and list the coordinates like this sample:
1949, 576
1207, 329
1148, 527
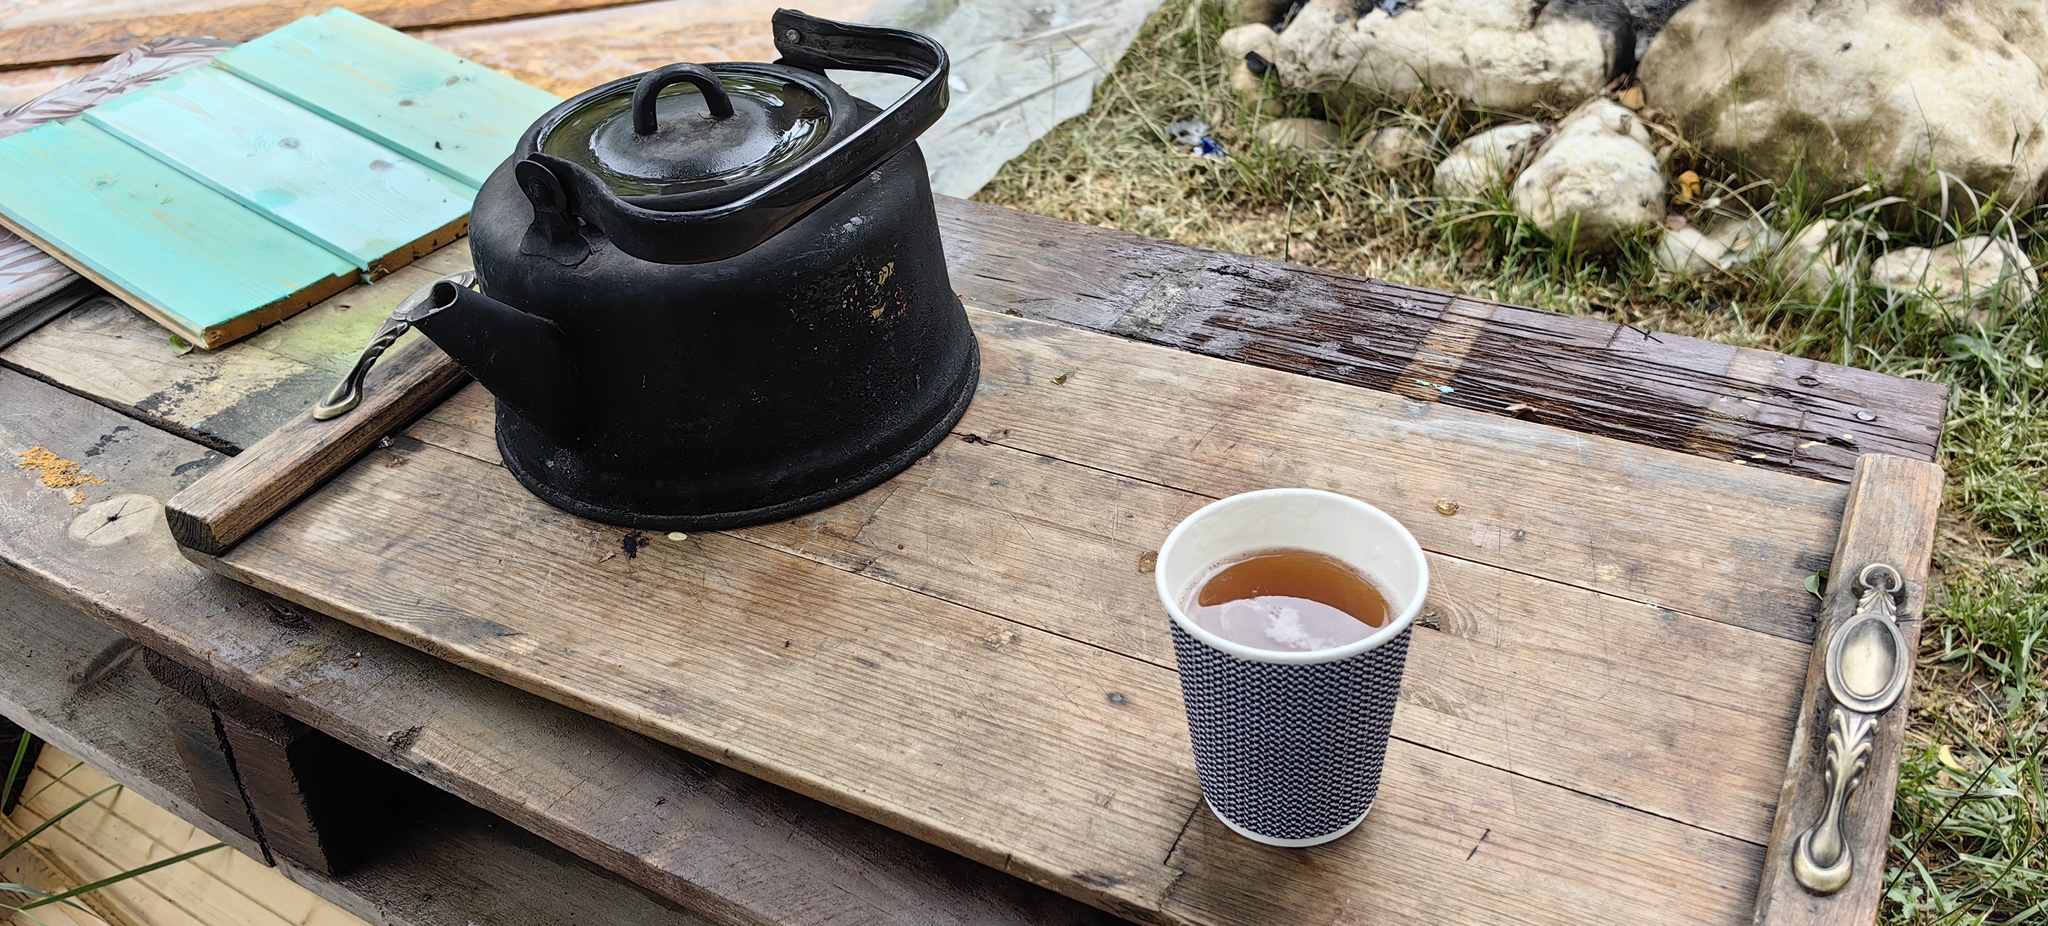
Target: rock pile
1943, 103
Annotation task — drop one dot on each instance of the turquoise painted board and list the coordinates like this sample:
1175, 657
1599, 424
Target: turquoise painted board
434, 107
358, 198
182, 248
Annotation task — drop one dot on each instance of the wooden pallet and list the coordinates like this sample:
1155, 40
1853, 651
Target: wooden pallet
1596, 724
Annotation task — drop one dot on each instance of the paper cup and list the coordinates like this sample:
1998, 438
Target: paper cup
1289, 745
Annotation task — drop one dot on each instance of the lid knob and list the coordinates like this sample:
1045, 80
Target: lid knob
651, 86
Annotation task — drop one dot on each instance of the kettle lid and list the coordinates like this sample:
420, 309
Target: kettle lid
688, 128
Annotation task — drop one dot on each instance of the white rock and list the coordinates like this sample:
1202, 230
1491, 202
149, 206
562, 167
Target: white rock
1688, 252
1746, 240
1481, 162
1395, 148
1298, 133
1979, 269
1838, 89
1731, 243
1251, 37
1819, 255
1593, 180
1487, 52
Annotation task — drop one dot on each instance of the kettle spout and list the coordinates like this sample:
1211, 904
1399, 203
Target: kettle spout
523, 359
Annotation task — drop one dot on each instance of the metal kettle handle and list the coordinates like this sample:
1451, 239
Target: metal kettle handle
818, 44
649, 89
348, 393
732, 228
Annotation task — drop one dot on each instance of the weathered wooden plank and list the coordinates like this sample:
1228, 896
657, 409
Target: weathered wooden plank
68, 30
249, 490
568, 53
1587, 375
1077, 773
735, 848
1586, 511
226, 399
1056, 270
1596, 713
191, 258
1596, 710
445, 863
209, 759
321, 804
368, 204
1890, 519
1022, 360
108, 718
438, 109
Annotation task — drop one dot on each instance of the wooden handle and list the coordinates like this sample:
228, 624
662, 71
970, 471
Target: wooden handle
230, 503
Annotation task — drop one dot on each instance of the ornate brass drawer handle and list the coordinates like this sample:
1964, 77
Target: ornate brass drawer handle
1866, 672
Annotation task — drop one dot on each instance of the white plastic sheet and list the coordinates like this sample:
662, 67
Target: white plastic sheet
1020, 67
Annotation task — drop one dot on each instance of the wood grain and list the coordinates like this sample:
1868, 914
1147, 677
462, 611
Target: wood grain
219, 510
191, 258
361, 200
445, 864
735, 848
1061, 783
991, 528
98, 31
457, 116
209, 760
1586, 511
1581, 374
1037, 490
568, 53
1890, 518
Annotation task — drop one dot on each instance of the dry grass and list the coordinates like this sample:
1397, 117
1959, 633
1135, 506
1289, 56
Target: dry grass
1970, 831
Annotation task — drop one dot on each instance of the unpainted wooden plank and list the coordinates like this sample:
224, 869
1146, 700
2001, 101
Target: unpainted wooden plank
1599, 706
108, 718
1077, 770
1583, 374
230, 398
1587, 511
456, 115
208, 757
1479, 843
733, 847
1353, 331
54, 31
445, 632
357, 198
320, 803
188, 256
1893, 504
444, 864
238, 497
568, 53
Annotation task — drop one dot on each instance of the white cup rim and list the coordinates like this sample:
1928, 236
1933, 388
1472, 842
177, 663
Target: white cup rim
1388, 631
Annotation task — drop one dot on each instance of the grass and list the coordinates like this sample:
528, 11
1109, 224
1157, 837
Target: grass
1970, 827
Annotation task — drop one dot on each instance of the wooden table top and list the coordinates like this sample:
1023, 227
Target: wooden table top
164, 418
1641, 584
1594, 724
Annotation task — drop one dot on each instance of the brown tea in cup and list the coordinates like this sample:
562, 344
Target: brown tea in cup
1287, 600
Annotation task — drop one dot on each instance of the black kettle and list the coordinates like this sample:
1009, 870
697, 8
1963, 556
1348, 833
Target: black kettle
713, 295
